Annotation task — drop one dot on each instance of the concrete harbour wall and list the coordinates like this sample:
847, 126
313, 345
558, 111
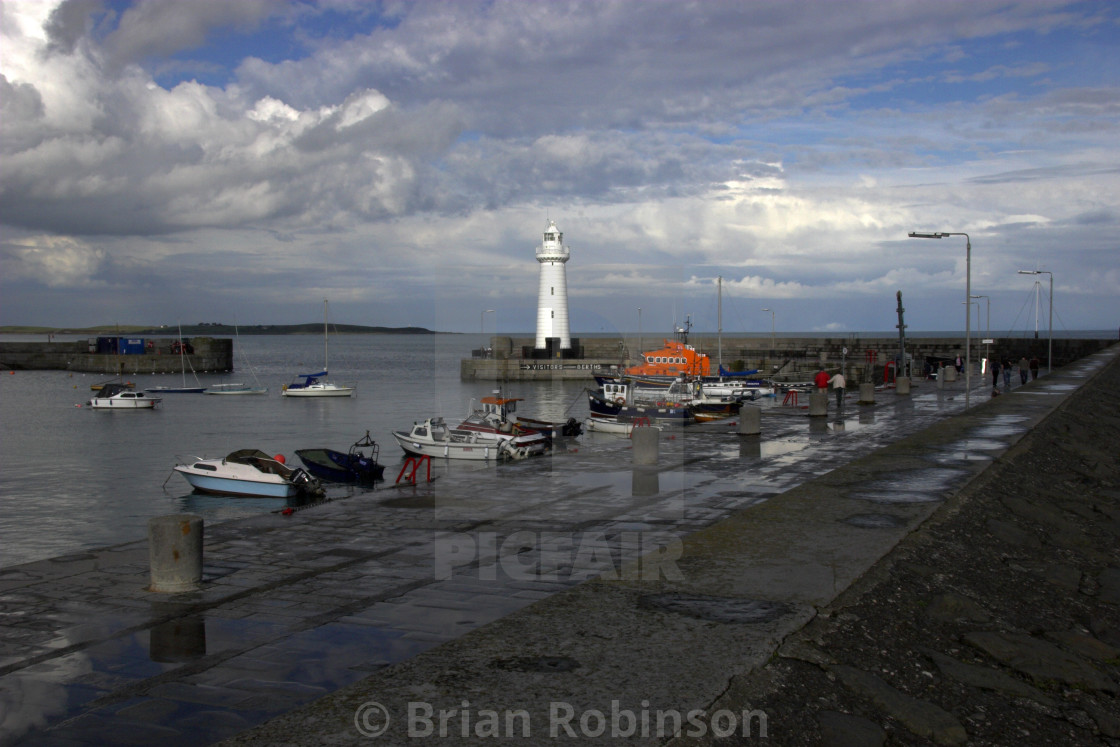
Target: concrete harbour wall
786, 358
211, 354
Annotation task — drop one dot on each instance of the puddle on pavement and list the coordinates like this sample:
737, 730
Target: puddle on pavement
899, 497
911, 486
875, 521
715, 609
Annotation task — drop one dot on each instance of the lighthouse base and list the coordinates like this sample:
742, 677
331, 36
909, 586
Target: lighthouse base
553, 349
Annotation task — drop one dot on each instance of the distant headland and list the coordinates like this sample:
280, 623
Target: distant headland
216, 328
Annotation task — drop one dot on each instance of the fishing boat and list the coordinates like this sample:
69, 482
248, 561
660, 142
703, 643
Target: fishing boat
358, 465
120, 397
495, 416
249, 473
433, 437
317, 384
615, 404
181, 348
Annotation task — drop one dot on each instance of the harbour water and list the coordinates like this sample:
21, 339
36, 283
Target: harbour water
72, 478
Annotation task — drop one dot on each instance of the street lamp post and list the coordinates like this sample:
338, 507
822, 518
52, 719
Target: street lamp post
640, 330
967, 301
1050, 333
987, 325
772, 343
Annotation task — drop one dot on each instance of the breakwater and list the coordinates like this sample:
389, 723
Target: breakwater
785, 358
152, 355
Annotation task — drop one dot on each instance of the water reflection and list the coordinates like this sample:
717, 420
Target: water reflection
750, 447
180, 640
645, 481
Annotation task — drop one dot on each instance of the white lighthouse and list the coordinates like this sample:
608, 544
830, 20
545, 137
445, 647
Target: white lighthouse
552, 299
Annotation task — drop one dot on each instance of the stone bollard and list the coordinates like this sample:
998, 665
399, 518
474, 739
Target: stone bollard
950, 373
902, 385
867, 393
818, 404
750, 420
646, 444
941, 378
175, 552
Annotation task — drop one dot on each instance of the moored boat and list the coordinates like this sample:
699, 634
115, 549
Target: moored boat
617, 406
317, 384
611, 425
249, 473
236, 388
493, 417
358, 465
554, 430
120, 397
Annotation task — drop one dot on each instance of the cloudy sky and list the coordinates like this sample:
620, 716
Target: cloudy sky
241, 161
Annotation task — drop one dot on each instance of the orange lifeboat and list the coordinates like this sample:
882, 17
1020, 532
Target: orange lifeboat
675, 359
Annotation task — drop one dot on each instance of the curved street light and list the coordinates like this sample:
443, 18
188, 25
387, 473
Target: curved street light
967, 300
1050, 334
772, 343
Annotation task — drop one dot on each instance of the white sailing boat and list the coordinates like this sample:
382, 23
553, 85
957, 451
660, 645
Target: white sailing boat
316, 384
240, 387
198, 388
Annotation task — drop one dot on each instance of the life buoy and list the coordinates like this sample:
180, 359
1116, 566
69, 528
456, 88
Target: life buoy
620, 400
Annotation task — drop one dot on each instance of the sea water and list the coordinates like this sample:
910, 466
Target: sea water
74, 478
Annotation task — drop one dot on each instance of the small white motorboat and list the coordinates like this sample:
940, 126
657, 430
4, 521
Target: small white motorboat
432, 437
120, 397
249, 473
610, 425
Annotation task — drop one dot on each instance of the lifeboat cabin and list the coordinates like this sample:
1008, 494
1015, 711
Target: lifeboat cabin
675, 359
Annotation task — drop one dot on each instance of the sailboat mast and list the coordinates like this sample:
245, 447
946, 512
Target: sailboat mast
182, 363
719, 322
326, 367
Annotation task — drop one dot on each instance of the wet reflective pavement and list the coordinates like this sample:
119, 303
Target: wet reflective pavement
295, 607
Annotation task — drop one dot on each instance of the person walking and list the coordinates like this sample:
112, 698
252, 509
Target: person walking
1024, 369
838, 383
995, 372
1007, 374
1034, 367
821, 380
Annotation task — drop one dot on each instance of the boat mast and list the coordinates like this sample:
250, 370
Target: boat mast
183, 365
719, 323
325, 366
